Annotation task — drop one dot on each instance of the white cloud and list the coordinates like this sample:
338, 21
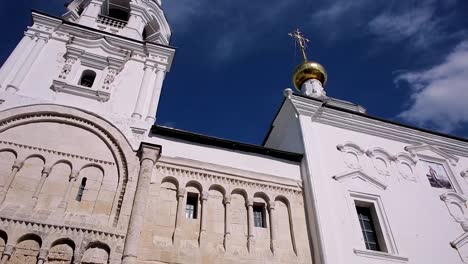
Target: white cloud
440, 94
418, 24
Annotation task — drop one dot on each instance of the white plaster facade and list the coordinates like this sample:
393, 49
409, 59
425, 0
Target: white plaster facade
350, 159
85, 177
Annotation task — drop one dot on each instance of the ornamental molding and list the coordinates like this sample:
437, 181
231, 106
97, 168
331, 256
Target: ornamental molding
387, 130
95, 94
359, 174
414, 149
59, 153
224, 179
380, 255
456, 205
464, 173
12, 223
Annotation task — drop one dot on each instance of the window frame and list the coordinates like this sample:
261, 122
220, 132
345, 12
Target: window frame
191, 200
259, 208
387, 242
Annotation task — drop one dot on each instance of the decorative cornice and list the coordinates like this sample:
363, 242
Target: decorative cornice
221, 178
59, 153
66, 229
377, 127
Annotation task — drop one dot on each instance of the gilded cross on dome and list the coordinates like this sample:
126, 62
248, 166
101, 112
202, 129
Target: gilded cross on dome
301, 40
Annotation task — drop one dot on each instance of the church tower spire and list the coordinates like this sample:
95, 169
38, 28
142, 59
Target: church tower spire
309, 77
109, 57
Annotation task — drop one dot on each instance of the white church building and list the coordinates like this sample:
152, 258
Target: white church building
85, 176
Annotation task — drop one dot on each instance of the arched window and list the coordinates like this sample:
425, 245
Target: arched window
79, 196
87, 78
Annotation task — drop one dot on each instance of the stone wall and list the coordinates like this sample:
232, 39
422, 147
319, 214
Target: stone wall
223, 230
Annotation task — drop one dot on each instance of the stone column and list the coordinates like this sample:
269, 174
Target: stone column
14, 58
204, 216
9, 249
142, 94
153, 107
25, 67
273, 227
72, 179
250, 239
42, 256
227, 216
180, 212
45, 174
149, 155
16, 167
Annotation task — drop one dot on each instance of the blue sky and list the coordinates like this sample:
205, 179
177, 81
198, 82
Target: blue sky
405, 61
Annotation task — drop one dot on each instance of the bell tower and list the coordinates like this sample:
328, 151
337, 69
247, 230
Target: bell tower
108, 57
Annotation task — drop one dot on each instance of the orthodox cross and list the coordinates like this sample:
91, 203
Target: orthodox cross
301, 40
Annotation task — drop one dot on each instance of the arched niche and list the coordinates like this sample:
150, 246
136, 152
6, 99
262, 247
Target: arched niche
63, 131
3, 241
61, 252
262, 226
192, 222
285, 228
167, 206
239, 221
96, 253
216, 216
54, 188
7, 158
25, 182
27, 249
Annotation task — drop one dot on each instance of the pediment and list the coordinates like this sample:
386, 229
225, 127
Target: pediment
429, 150
359, 174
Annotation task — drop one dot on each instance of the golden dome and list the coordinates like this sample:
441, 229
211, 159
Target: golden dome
309, 70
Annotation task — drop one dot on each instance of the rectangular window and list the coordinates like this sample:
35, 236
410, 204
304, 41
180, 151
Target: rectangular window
191, 206
259, 215
368, 227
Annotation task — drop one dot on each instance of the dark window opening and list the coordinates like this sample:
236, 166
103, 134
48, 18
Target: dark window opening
369, 232
191, 207
259, 215
80, 9
119, 14
87, 78
79, 196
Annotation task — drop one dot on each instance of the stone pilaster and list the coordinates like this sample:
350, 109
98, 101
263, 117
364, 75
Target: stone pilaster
43, 253
45, 174
273, 226
147, 82
72, 179
14, 170
14, 85
227, 227
9, 249
153, 107
149, 155
204, 204
180, 213
250, 239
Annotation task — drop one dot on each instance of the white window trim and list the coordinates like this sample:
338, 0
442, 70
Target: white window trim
392, 253
453, 179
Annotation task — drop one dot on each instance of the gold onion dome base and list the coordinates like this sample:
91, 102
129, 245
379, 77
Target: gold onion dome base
309, 70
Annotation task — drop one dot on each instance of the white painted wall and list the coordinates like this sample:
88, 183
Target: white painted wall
174, 148
420, 223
